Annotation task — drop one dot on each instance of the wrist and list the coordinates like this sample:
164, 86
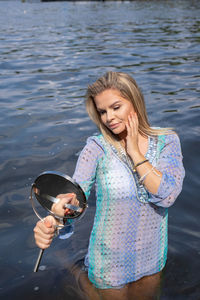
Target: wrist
139, 164
137, 157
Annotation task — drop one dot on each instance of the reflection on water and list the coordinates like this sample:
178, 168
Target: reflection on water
50, 52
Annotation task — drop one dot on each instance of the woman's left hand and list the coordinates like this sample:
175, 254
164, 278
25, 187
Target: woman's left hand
132, 134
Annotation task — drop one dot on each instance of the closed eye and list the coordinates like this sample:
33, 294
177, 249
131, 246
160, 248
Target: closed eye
101, 112
116, 107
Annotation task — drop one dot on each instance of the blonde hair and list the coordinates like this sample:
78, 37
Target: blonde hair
129, 90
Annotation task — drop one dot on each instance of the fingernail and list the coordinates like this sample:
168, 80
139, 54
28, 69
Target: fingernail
48, 223
66, 211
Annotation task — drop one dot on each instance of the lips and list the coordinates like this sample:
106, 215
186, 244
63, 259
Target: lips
113, 126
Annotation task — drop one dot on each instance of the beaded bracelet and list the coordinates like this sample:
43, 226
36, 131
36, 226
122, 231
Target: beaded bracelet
154, 172
138, 164
144, 176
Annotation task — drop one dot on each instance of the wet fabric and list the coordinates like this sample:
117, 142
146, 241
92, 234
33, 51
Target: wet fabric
129, 234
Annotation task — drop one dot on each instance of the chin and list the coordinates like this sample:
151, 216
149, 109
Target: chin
120, 133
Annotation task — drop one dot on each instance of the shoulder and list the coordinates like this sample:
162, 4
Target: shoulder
169, 142
165, 137
96, 142
163, 132
169, 137
93, 148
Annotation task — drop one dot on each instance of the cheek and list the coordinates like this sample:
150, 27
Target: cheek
103, 119
126, 112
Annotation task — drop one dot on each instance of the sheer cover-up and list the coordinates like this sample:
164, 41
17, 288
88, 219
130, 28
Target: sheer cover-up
129, 234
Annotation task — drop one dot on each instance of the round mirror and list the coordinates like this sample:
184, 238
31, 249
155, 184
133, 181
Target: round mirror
58, 193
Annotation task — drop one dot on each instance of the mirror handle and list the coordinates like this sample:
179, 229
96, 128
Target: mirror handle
38, 260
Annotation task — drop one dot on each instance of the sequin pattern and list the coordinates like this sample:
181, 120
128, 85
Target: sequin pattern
129, 234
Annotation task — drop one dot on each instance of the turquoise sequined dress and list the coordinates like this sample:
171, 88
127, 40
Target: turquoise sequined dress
129, 234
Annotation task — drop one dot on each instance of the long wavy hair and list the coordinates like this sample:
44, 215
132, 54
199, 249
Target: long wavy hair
129, 90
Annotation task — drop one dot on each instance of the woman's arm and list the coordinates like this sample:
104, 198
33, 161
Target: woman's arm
84, 175
170, 164
164, 181
85, 171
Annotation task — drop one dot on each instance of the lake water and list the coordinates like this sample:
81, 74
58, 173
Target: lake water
49, 53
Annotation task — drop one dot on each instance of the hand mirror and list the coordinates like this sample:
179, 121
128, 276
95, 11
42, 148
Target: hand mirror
45, 193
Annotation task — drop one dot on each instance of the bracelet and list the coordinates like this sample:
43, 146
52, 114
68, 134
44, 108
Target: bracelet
154, 172
144, 176
138, 164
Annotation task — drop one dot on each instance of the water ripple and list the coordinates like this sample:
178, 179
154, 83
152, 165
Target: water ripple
49, 53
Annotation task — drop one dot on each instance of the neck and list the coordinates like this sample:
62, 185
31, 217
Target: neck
142, 142
122, 138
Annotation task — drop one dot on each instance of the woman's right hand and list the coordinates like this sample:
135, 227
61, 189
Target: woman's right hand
44, 232
60, 209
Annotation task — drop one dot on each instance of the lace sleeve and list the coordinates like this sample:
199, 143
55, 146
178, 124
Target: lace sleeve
85, 171
171, 166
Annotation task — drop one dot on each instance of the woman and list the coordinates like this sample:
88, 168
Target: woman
138, 174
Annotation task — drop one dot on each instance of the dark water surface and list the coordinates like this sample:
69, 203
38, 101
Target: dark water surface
49, 52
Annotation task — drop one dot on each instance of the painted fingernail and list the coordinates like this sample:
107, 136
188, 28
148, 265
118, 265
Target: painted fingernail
66, 211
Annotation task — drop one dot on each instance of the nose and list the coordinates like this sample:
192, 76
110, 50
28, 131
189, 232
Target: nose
109, 116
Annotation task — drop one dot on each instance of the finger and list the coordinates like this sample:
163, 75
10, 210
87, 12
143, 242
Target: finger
43, 243
61, 206
67, 211
67, 195
43, 231
136, 119
65, 198
68, 199
134, 122
75, 200
49, 221
128, 129
41, 228
131, 125
43, 237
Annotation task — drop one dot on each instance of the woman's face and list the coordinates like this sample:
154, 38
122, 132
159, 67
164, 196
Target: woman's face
113, 110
